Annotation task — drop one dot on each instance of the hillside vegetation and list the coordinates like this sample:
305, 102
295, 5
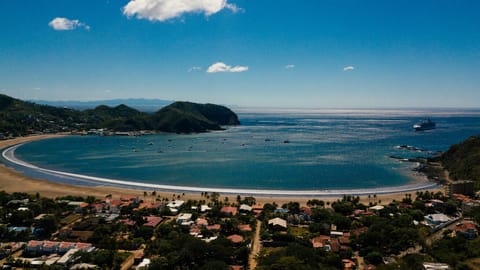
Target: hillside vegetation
186, 117
463, 160
19, 117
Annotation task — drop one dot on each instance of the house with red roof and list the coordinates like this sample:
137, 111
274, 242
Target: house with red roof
83, 246
152, 221
34, 246
63, 247
201, 222
50, 246
214, 227
229, 210
235, 238
244, 227
467, 230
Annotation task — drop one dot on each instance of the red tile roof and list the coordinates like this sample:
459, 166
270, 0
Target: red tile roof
235, 238
152, 221
127, 222
47, 244
320, 241
244, 227
229, 210
465, 227
66, 245
33, 243
214, 227
115, 202
201, 221
83, 245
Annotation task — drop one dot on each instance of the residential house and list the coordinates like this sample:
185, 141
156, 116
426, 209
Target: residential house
152, 221
205, 208
34, 246
229, 210
435, 266
244, 227
175, 205
64, 247
467, 230
214, 227
235, 238
245, 208
436, 219
185, 219
277, 224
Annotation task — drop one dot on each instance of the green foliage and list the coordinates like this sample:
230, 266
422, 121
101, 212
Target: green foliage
343, 207
106, 259
374, 257
388, 235
301, 257
463, 160
177, 250
20, 118
187, 117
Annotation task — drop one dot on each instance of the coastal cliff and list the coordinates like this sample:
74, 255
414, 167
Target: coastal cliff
19, 118
462, 160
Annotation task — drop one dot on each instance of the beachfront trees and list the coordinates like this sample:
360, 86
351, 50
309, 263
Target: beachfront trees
344, 207
315, 203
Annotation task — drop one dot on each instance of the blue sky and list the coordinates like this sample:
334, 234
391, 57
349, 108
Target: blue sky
274, 53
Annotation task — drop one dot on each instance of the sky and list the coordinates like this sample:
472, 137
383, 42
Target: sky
257, 53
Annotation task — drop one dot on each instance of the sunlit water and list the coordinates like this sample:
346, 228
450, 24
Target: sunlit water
294, 150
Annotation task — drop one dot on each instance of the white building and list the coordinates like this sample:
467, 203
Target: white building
437, 219
184, 218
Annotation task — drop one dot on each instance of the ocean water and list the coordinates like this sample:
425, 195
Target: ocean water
272, 149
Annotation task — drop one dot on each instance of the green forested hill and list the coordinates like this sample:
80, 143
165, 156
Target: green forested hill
186, 117
463, 160
18, 117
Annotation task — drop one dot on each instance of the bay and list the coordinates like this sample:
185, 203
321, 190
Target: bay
272, 149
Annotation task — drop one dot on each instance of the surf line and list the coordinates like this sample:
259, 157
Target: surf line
9, 155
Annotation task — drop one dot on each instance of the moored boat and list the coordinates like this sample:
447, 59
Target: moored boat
426, 124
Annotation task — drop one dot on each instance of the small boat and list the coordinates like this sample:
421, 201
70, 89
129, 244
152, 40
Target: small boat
426, 124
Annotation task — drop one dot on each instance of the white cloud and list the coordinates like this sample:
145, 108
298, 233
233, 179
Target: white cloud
222, 67
348, 68
162, 10
194, 69
233, 8
108, 91
289, 66
64, 24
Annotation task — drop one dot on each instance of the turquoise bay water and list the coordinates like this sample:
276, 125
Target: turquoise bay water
300, 150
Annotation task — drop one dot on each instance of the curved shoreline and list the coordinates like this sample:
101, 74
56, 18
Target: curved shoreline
9, 155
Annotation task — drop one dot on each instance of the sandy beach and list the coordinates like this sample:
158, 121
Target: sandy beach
13, 181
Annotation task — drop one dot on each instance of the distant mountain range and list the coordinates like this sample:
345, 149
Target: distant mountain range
141, 104
19, 117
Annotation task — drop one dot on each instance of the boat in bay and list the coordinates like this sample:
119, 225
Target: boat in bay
426, 124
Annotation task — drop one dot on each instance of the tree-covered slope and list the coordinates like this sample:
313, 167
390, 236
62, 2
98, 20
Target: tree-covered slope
463, 160
187, 117
18, 117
